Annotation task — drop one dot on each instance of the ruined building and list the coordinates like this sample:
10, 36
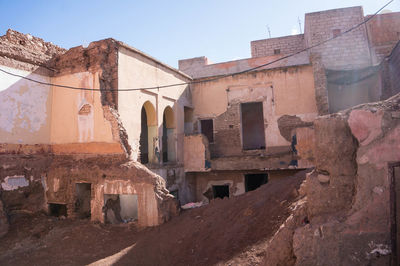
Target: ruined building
67, 151
250, 119
98, 135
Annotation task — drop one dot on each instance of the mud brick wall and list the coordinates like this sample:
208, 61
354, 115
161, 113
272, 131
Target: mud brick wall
383, 33
286, 45
22, 181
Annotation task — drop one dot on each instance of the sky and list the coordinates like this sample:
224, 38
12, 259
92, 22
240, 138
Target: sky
169, 30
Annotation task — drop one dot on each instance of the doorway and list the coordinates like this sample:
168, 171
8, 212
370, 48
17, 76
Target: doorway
82, 200
148, 134
394, 173
168, 138
254, 181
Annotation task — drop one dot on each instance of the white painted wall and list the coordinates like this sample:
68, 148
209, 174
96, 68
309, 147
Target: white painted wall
25, 108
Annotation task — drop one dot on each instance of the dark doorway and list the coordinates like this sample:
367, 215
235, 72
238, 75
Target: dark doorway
221, 191
395, 211
254, 181
164, 141
252, 126
57, 210
82, 199
144, 137
207, 128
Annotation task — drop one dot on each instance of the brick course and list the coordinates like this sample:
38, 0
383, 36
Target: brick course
348, 51
286, 45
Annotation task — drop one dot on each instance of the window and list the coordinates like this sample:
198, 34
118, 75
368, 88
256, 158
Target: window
252, 126
336, 32
220, 191
57, 210
277, 51
207, 128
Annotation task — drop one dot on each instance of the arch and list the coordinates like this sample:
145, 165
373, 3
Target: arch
168, 135
169, 117
151, 113
148, 133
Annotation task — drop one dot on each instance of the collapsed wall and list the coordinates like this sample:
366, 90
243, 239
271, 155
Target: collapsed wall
79, 153
346, 214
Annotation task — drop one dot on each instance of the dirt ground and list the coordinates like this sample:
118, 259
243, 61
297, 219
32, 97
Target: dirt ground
231, 231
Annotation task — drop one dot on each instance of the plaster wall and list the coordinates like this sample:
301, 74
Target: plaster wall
77, 116
286, 91
138, 71
196, 153
25, 108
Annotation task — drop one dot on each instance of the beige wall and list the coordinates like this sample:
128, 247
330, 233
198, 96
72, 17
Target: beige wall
68, 126
195, 153
283, 91
25, 108
137, 71
32, 113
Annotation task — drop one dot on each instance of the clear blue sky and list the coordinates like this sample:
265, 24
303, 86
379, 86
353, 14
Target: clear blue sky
168, 30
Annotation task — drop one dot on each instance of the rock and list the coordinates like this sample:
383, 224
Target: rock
365, 126
323, 179
378, 190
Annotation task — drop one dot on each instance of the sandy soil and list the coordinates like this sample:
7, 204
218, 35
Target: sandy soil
231, 231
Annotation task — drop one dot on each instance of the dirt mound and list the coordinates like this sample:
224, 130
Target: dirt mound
229, 230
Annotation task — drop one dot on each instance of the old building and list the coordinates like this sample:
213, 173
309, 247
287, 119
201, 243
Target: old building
67, 149
250, 119
98, 131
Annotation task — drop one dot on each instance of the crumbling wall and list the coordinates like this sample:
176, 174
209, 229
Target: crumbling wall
280, 93
110, 175
93, 113
22, 182
196, 153
26, 48
344, 216
100, 56
25, 107
234, 179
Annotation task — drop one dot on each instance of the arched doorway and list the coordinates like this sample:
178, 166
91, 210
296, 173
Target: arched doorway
168, 137
148, 133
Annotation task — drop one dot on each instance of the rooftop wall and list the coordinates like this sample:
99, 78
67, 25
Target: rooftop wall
383, 33
197, 70
281, 45
348, 51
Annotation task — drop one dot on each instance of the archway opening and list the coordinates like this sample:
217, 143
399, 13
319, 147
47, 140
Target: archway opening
168, 137
148, 134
